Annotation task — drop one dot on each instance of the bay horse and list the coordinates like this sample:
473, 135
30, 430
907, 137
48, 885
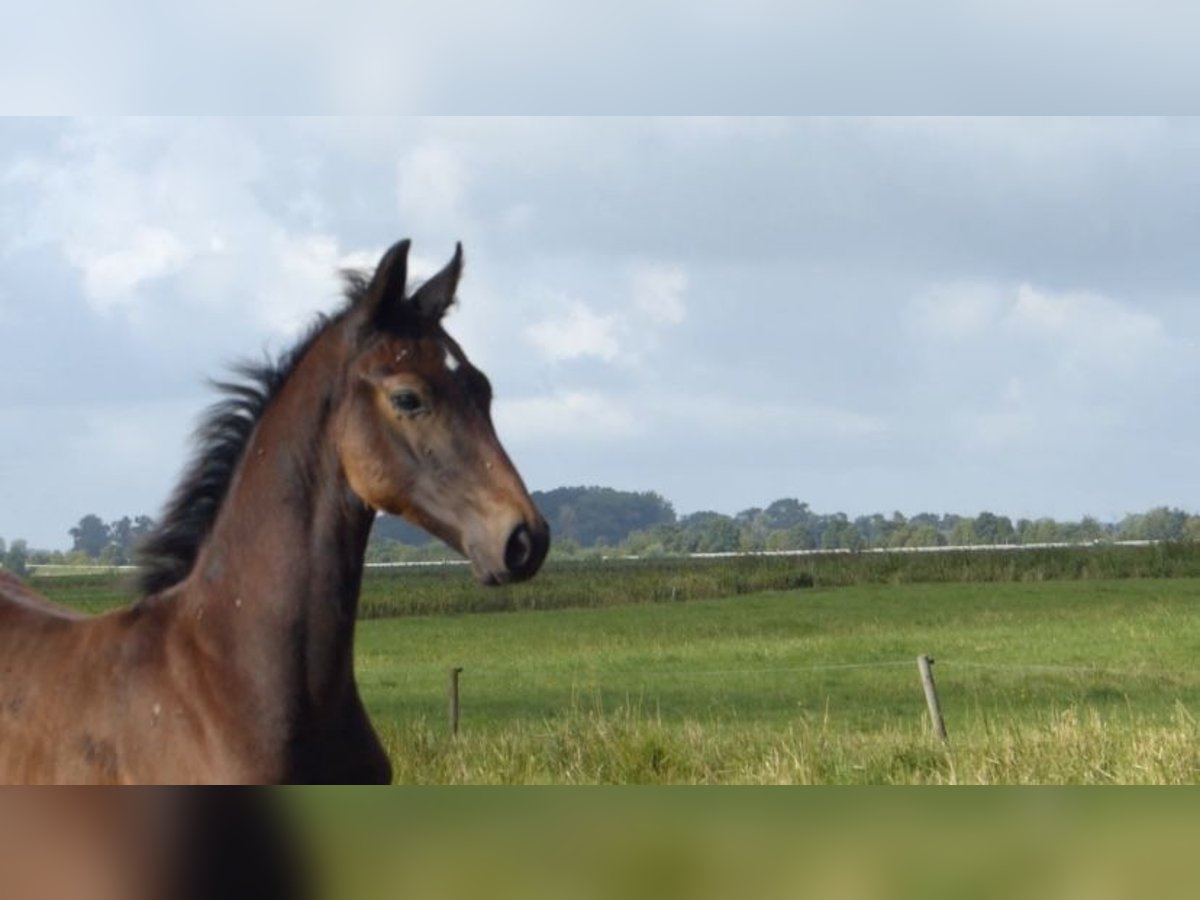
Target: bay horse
235, 665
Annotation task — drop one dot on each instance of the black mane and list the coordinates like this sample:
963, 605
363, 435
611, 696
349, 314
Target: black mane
167, 554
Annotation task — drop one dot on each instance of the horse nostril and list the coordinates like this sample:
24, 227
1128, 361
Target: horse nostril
525, 550
519, 550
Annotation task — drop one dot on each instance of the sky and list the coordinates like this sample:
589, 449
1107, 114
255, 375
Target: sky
622, 56
947, 315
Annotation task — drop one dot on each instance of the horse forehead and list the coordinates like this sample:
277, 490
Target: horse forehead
427, 353
440, 353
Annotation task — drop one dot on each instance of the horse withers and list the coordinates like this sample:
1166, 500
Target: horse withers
236, 663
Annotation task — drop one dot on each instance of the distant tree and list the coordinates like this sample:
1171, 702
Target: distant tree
590, 515
926, 518
1090, 529
993, 529
752, 523
869, 528
1040, 531
926, 536
840, 534
91, 535
3, 551
656, 541
708, 532
947, 522
17, 557
878, 530
786, 513
750, 518
124, 535
963, 533
1163, 524
778, 540
1191, 530
1159, 524
751, 540
112, 555
798, 537
119, 551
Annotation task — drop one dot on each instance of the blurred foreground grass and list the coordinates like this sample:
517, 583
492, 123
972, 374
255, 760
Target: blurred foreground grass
662, 844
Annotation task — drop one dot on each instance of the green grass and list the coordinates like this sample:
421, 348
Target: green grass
1061, 682
92, 593
773, 657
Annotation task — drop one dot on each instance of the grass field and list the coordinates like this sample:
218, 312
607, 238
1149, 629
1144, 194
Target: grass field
1084, 680
1050, 682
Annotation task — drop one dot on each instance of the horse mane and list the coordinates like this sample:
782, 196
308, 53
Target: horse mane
167, 554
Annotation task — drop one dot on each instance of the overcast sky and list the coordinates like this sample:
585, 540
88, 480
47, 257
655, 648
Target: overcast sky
868, 315
627, 56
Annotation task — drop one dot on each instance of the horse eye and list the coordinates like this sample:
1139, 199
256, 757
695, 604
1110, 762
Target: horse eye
407, 403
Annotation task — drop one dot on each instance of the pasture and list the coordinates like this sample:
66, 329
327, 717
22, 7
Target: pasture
741, 678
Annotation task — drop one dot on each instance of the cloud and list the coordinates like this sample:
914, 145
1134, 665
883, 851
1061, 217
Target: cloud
651, 299
1090, 330
1023, 368
300, 271
132, 205
571, 416
1074, 329
112, 274
576, 333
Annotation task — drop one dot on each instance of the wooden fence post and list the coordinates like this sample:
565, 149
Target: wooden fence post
454, 673
925, 666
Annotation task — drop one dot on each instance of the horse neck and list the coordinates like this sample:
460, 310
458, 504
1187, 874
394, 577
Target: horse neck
276, 584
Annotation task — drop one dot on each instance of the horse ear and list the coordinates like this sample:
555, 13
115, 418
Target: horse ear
434, 296
390, 278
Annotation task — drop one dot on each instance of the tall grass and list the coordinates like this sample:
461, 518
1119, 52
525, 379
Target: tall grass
613, 582
631, 746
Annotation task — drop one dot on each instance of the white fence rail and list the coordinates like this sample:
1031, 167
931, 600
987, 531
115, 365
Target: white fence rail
50, 570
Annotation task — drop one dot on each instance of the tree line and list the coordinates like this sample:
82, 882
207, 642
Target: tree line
94, 542
602, 520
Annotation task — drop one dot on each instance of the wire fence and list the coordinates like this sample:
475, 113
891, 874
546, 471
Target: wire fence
942, 662
621, 678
